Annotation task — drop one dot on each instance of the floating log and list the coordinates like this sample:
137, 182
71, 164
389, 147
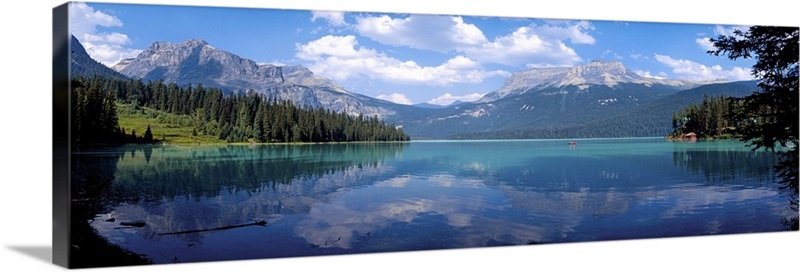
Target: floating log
257, 223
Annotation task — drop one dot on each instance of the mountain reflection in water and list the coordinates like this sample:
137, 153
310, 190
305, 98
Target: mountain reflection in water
352, 198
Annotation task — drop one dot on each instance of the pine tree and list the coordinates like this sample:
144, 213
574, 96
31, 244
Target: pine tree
148, 134
775, 107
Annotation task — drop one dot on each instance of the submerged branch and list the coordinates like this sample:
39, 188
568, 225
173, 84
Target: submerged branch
257, 223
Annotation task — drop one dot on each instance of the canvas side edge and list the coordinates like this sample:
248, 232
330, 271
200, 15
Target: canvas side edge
61, 140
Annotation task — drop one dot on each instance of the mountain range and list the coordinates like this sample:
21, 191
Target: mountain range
197, 62
596, 72
598, 99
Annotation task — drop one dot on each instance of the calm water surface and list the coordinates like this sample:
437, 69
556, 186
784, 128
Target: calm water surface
353, 198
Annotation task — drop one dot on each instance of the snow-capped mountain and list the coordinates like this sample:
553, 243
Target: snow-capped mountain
595, 73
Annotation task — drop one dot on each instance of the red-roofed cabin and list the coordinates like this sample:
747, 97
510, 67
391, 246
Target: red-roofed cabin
691, 136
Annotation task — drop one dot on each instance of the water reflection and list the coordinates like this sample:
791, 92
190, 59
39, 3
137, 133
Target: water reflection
205, 171
720, 163
91, 193
335, 199
183, 188
91, 183
636, 194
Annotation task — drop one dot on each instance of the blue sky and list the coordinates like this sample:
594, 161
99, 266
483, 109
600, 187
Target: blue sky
408, 58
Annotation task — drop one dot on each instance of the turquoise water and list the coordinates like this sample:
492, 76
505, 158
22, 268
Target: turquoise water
356, 198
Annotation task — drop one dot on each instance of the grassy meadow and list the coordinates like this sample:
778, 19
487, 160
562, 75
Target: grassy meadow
166, 127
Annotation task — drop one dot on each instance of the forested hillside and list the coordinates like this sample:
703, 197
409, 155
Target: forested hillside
241, 117
715, 117
83, 65
647, 120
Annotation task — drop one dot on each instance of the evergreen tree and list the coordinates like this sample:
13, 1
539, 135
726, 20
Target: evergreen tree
148, 135
710, 119
772, 112
235, 117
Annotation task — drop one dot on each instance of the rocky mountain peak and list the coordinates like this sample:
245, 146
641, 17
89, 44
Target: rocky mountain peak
77, 47
187, 44
194, 43
600, 67
597, 72
204, 64
197, 62
614, 64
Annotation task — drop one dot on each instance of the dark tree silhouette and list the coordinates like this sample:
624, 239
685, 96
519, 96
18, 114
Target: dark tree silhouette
148, 135
771, 113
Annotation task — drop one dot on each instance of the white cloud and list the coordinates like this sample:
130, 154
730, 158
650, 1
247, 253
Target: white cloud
719, 30
609, 52
429, 32
705, 44
687, 69
396, 182
728, 31
334, 18
340, 58
525, 46
338, 46
396, 98
638, 56
575, 32
447, 98
105, 47
533, 46
648, 75
274, 63
84, 19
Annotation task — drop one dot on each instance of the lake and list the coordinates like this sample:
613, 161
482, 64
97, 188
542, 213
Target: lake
325, 199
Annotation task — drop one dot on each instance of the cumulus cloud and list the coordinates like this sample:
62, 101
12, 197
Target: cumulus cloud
105, 47
84, 19
687, 69
533, 46
341, 57
395, 98
705, 44
525, 47
429, 32
334, 18
566, 30
447, 98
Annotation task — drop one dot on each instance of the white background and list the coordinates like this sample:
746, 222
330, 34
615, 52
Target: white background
26, 167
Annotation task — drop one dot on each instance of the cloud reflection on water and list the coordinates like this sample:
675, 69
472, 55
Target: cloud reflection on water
392, 203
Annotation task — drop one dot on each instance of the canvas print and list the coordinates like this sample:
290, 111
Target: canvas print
196, 134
